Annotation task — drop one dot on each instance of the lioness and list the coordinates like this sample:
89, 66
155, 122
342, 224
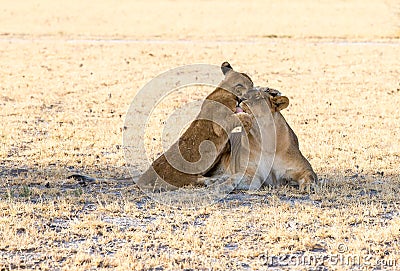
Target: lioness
267, 155
206, 139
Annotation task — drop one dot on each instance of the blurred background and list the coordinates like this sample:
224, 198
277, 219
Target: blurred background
201, 20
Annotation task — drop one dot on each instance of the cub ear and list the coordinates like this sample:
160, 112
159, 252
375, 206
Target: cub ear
226, 67
279, 102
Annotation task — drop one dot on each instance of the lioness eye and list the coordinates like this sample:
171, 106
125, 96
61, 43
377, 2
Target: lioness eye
239, 86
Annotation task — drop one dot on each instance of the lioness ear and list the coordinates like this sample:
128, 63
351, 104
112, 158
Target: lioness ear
279, 102
226, 67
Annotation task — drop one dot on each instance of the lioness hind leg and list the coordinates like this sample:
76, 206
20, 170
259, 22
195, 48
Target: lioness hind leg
209, 181
151, 181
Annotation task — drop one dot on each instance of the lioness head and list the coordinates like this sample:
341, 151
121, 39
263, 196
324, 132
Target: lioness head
236, 83
270, 97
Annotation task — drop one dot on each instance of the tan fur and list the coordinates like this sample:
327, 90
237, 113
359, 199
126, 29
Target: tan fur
270, 161
218, 108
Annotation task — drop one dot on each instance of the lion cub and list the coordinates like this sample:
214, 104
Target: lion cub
270, 153
200, 147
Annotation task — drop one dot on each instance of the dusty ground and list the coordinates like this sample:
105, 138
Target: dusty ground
69, 71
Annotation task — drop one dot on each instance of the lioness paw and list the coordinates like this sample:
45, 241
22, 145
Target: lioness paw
304, 185
307, 185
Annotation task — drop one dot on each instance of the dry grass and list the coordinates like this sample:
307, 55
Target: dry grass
63, 106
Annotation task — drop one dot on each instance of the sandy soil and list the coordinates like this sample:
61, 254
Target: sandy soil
69, 71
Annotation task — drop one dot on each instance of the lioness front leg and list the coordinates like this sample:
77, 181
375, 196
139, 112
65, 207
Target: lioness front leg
241, 119
246, 121
232, 121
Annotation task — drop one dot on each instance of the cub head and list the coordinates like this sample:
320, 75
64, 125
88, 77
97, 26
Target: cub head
235, 82
256, 99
